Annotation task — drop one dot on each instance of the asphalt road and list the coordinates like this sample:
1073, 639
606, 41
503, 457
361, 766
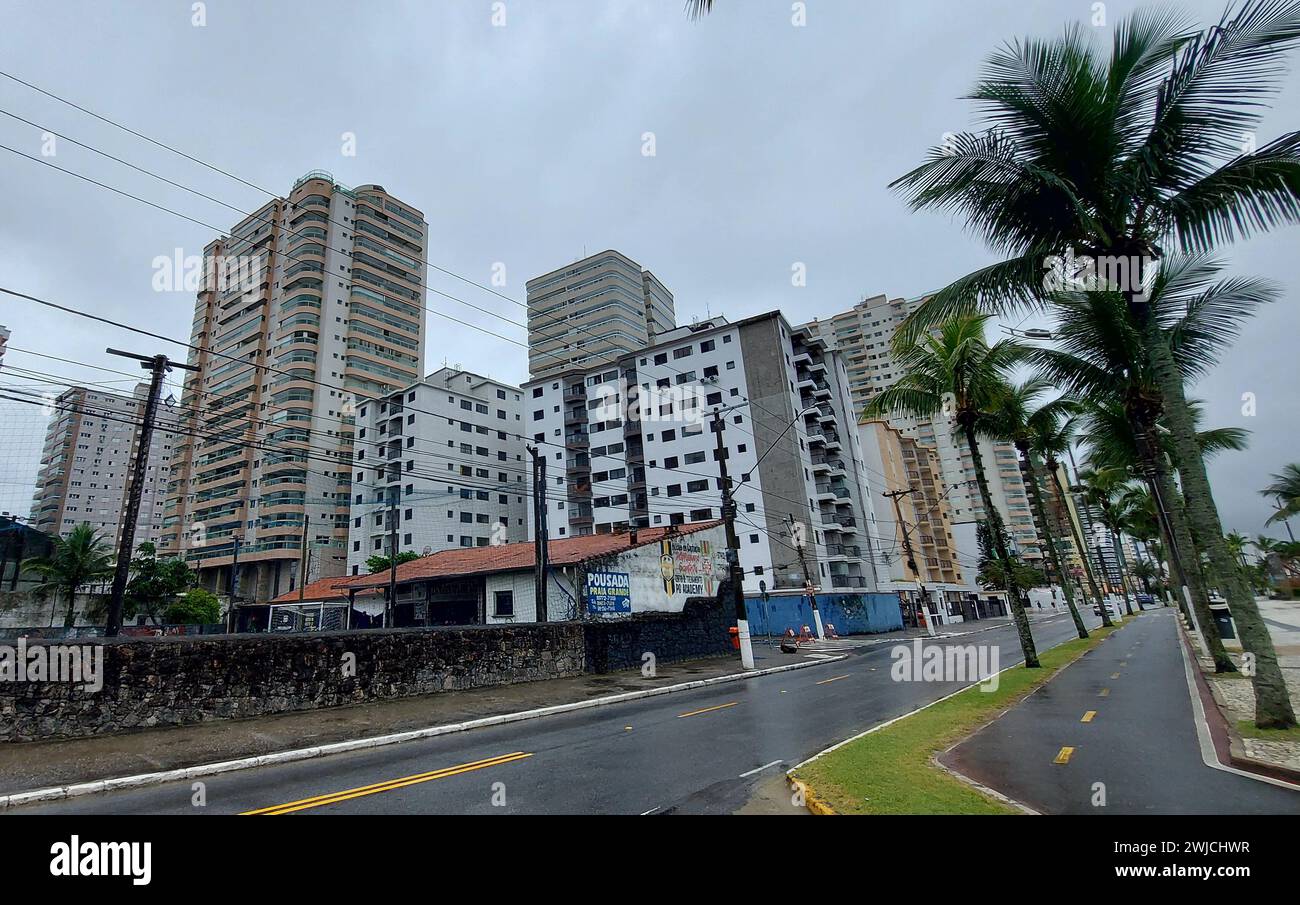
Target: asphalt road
700, 751
1140, 741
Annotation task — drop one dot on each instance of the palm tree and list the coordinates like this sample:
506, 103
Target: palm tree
956, 372
1104, 489
1016, 416
1051, 442
1113, 157
1102, 357
698, 8
1285, 488
80, 559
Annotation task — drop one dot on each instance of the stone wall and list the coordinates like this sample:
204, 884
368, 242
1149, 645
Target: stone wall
151, 682
699, 630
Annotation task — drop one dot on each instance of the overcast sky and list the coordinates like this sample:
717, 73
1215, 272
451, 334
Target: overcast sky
523, 144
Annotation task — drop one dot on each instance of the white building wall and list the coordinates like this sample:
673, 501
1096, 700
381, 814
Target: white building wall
458, 487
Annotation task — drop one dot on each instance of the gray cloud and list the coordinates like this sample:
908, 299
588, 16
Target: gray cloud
523, 145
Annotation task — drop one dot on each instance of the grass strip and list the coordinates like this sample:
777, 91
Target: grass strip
890, 771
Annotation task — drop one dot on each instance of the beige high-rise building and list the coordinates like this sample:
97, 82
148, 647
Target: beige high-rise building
328, 310
588, 313
899, 461
863, 334
86, 465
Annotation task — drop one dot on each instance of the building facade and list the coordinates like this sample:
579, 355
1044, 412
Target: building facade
631, 445
328, 310
86, 465
903, 462
446, 456
590, 312
863, 335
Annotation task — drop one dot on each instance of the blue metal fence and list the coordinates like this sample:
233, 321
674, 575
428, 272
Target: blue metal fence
851, 614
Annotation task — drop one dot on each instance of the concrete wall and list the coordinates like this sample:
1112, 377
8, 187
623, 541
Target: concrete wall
851, 614
176, 681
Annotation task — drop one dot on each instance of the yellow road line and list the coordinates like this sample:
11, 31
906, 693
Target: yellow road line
1087, 717
1105, 692
836, 679
387, 785
707, 710
1063, 757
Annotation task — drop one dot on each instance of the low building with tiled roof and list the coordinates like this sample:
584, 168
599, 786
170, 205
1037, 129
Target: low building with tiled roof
655, 570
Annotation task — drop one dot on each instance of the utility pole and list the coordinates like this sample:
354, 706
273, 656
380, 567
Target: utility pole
302, 559
158, 366
735, 572
797, 536
541, 535
391, 616
234, 585
924, 604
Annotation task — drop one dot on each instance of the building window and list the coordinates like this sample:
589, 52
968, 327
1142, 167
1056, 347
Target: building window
504, 603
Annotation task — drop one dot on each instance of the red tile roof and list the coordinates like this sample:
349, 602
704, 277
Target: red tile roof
465, 561
322, 589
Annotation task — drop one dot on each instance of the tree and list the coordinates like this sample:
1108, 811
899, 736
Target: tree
196, 606
1015, 417
80, 559
379, 562
992, 573
957, 373
1285, 488
1113, 157
1104, 489
155, 583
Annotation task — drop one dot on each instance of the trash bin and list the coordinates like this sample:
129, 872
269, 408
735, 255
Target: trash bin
1223, 621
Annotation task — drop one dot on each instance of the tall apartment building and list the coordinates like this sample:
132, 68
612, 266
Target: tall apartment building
446, 456
86, 464
329, 310
900, 461
629, 444
863, 335
587, 313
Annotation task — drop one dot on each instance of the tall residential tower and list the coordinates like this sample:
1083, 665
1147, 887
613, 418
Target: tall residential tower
327, 310
587, 313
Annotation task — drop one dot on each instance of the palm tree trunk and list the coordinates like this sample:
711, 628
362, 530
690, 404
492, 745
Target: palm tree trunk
1121, 563
1083, 551
1191, 576
994, 521
70, 615
1273, 708
1036, 498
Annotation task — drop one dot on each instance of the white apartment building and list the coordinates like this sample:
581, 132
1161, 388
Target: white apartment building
629, 444
447, 456
863, 335
586, 314
86, 465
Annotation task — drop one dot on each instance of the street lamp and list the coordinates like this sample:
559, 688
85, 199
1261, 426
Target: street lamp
1031, 333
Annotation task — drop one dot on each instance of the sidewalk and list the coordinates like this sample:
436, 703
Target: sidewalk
1235, 696
33, 765
1122, 717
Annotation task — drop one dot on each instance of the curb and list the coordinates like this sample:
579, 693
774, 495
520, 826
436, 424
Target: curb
815, 804
59, 793
1237, 761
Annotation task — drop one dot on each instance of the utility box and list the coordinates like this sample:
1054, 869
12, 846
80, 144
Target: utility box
1223, 621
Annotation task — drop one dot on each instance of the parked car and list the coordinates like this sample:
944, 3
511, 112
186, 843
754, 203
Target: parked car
1145, 600
1111, 606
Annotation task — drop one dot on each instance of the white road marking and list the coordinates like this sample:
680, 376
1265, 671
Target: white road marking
759, 769
651, 811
